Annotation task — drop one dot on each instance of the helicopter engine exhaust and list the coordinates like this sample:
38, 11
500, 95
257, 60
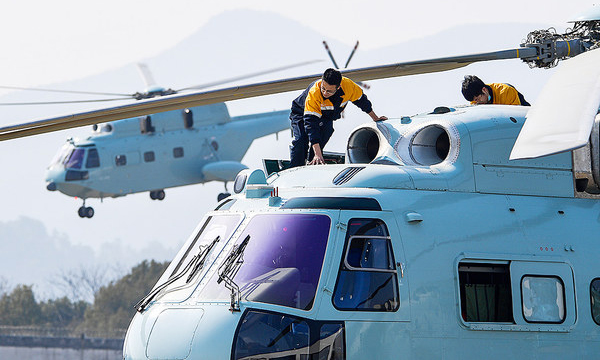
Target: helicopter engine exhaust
426, 145
363, 146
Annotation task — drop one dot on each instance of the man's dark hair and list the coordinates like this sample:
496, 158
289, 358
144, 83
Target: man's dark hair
332, 77
471, 87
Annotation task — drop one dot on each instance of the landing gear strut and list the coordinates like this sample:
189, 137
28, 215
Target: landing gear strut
157, 195
223, 195
85, 212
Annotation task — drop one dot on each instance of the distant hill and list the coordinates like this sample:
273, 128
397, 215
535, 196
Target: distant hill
30, 255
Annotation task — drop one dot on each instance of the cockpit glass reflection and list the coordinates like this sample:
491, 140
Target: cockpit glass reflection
282, 260
60, 156
75, 159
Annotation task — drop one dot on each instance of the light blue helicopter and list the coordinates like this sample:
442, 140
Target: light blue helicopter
154, 152
436, 239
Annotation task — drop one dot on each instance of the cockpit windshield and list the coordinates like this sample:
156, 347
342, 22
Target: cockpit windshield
75, 159
282, 260
72, 157
60, 156
181, 276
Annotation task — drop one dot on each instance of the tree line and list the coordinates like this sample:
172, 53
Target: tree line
112, 308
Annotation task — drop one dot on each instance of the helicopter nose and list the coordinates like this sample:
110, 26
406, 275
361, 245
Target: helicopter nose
167, 332
51, 186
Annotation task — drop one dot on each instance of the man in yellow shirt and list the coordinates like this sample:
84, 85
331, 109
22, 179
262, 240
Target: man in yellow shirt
314, 111
475, 91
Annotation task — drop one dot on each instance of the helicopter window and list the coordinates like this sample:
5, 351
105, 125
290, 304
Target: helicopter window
93, 160
282, 261
61, 155
543, 299
220, 227
485, 293
367, 280
120, 160
75, 159
74, 175
149, 156
266, 335
178, 152
595, 298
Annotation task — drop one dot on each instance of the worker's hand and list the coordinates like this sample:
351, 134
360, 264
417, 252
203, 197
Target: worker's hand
317, 160
381, 118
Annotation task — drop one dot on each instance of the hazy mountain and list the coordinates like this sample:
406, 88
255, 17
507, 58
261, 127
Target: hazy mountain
30, 255
40, 231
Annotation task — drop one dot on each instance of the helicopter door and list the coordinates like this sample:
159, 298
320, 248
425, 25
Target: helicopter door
366, 280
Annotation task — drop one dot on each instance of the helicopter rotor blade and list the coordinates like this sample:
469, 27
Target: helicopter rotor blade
63, 91
351, 55
330, 54
247, 76
179, 101
63, 102
146, 75
563, 115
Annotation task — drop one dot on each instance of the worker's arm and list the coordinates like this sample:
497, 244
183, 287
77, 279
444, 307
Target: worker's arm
375, 117
318, 159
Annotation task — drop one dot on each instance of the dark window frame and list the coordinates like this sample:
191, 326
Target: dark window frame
315, 335
90, 157
121, 160
592, 305
149, 156
497, 276
178, 152
346, 268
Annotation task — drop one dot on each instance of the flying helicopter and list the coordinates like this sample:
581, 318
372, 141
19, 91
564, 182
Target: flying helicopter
443, 235
163, 150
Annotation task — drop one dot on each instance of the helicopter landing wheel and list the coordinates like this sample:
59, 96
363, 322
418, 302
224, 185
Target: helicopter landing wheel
157, 195
85, 212
222, 196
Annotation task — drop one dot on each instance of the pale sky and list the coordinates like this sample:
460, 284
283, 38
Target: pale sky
45, 42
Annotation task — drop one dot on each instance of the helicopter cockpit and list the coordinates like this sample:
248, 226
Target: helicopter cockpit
72, 164
72, 156
277, 265
269, 266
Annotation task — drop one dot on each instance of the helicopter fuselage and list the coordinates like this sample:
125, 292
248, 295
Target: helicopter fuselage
159, 151
428, 243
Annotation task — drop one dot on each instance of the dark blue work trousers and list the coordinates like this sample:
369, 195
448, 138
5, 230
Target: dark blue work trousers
299, 151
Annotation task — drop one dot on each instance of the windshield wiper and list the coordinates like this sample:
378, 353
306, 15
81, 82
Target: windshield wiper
201, 258
196, 263
229, 269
